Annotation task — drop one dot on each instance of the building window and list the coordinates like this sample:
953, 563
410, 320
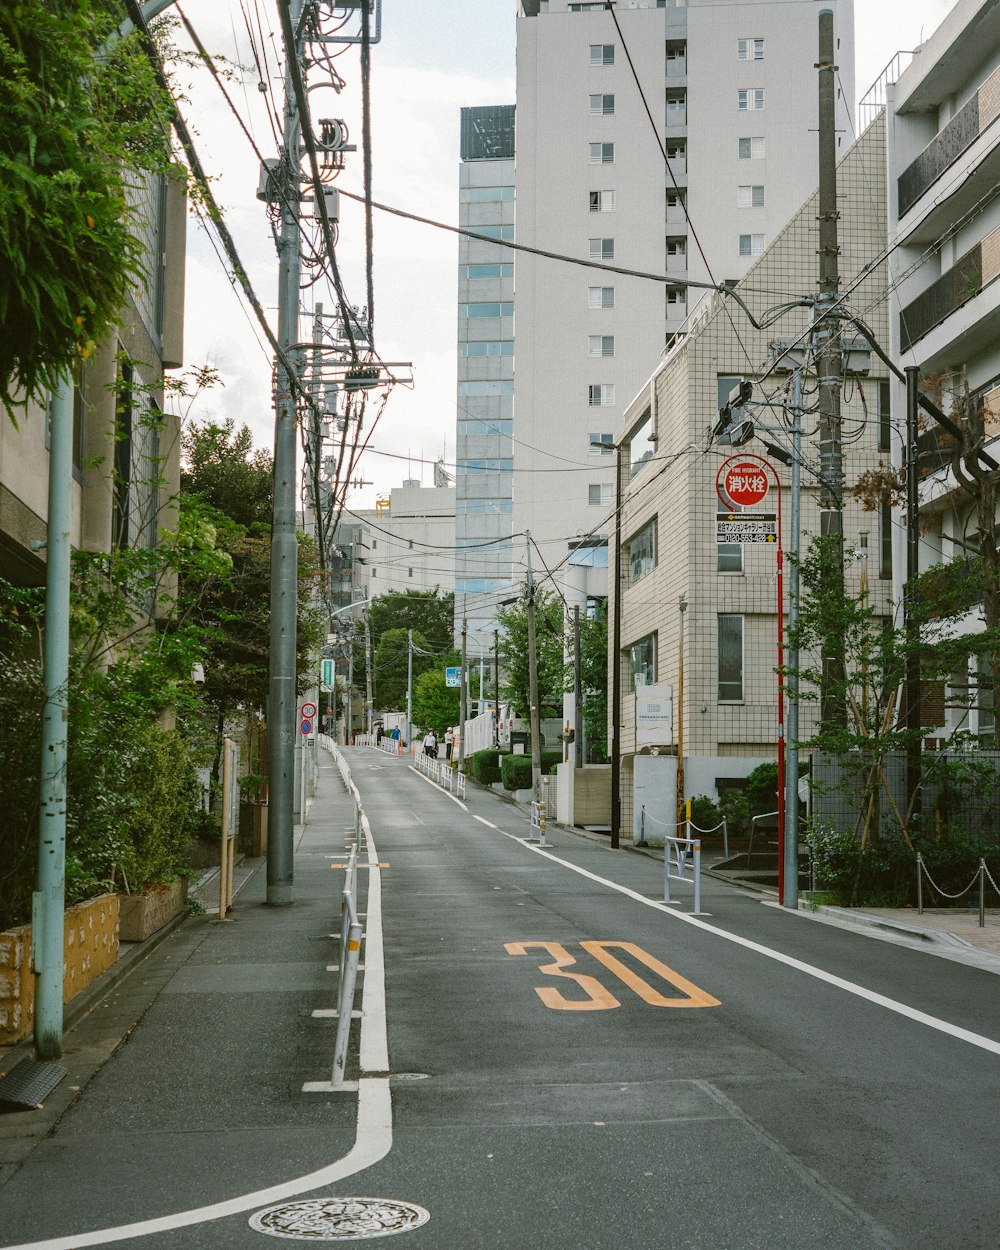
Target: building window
504, 234
499, 427
676, 108
474, 272
504, 465
750, 197
409, 572
750, 49
601, 345
729, 558
751, 244
885, 542
602, 105
642, 661
602, 249
501, 347
641, 444
884, 413
640, 553
484, 195
986, 720
750, 99
601, 395
752, 148
600, 297
599, 493
730, 659
602, 201
601, 444
677, 151
675, 199
602, 54
505, 309
602, 154
675, 295
470, 507
481, 387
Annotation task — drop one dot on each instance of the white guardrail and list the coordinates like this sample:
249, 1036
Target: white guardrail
351, 929
677, 852
538, 822
441, 773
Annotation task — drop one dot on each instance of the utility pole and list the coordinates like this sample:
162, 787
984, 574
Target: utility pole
616, 662
462, 689
369, 701
829, 367
284, 546
577, 691
790, 897
409, 687
681, 609
533, 710
911, 626
496, 687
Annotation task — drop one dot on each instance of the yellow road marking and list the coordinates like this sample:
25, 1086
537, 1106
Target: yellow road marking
693, 996
598, 998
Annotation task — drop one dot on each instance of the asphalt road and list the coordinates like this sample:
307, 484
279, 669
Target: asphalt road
574, 1067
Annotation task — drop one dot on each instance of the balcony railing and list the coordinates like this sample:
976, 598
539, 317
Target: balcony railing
956, 286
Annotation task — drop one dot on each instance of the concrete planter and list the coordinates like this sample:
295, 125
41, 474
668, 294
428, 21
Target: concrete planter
142, 914
90, 937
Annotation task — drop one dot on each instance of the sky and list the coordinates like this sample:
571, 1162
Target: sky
433, 59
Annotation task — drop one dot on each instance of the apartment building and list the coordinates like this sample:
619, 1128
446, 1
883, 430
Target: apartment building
944, 227
411, 538
485, 398
703, 616
677, 142
126, 447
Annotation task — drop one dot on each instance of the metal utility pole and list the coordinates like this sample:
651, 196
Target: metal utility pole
284, 546
409, 687
911, 626
48, 903
790, 896
369, 700
577, 691
616, 662
533, 709
829, 366
496, 687
462, 689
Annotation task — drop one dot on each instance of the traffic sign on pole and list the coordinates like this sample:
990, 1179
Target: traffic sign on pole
308, 711
742, 482
453, 676
306, 727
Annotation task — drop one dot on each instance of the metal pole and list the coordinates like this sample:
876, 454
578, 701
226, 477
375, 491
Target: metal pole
681, 608
49, 900
577, 691
369, 701
533, 709
829, 368
616, 662
409, 688
462, 691
982, 894
496, 687
284, 546
920, 884
792, 655
911, 625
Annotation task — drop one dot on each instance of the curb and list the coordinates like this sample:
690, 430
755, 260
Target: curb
865, 920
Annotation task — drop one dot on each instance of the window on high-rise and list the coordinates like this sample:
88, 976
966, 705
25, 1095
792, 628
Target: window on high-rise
640, 553
602, 105
752, 148
602, 249
599, 493
602, 201
601, 345
750, 197
730, 638
749, 98
484, 195
642, 662
751, 244
601, 444
601, 395
602, 54
602, 154
750, 49
600, 297
503, 309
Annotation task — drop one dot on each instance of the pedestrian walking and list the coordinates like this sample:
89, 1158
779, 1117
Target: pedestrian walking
431, 744
449, 738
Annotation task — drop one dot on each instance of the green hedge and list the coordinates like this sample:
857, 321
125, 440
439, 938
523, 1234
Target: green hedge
486, 766
516, 772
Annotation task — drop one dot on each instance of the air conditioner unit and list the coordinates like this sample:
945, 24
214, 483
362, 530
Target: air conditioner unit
267, 184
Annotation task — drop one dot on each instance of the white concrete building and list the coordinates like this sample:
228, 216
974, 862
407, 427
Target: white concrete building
485, 398
944, 226
731, 96
411, 539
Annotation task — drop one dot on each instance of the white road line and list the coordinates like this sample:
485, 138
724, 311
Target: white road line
372, 1143
488, 823
373, 1136
424, 777
850, 987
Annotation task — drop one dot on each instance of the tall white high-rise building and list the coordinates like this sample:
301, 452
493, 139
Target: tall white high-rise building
677, 142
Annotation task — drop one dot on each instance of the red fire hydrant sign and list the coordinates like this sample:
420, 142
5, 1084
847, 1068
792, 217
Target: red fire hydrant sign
742, 482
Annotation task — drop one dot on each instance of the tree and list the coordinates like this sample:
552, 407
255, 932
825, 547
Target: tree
594, 678
429, 613
549, 644
435, 704
81, 117
391, 666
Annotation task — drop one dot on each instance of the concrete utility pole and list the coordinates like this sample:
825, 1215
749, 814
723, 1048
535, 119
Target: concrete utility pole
681, 797
369, 700
829, 365
911, 627
533, 709
790, 897
616, 661
409, 686
462, 691
496, 687
577, 691
284, 544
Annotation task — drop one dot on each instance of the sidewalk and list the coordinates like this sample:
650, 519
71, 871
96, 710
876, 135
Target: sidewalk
208, 1032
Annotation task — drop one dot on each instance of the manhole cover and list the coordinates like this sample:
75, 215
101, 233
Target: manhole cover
339, 1219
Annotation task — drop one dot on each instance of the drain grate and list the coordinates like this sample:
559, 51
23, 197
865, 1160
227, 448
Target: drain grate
29, 1083
339, 1219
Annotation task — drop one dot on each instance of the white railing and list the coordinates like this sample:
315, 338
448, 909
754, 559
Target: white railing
441, 773
689, 827
676, 853
479, 733
538, 822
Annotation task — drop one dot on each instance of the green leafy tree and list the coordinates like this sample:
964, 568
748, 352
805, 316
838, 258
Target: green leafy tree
594, 677
81, 118
513, 623
435, 704
391, 666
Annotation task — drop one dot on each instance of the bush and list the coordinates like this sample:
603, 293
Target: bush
486, 766
705, 813
735, 807
516, 772
550, 760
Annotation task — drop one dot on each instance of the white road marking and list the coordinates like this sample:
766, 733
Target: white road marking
488, 823
424, 777
850, 987
373, 1136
